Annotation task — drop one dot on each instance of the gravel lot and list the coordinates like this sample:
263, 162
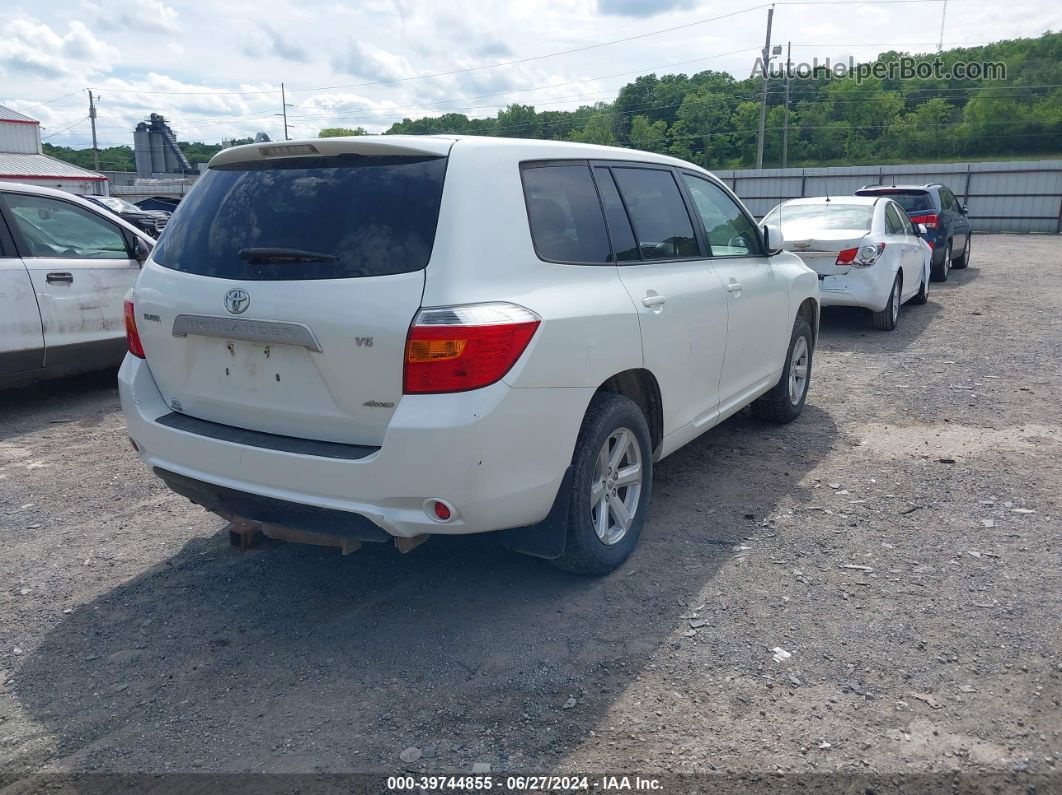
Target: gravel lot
900, 541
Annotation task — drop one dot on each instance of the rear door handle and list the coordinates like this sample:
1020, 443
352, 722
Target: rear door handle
734, 287
653, 301
59, 278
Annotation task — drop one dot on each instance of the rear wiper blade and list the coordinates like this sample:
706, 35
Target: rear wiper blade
266, 254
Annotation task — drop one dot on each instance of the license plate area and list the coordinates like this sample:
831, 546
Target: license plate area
233, 367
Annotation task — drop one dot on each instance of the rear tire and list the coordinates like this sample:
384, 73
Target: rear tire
786, 399
614, 438
943, 268
887, 318
964, 259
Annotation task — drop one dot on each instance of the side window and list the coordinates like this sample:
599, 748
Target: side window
618, 224
54, 228
893, 224
908, 227
661, 224
565, 214
730, 232
947, 199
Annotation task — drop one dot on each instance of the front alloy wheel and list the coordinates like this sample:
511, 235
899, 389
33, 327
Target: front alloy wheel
785, 400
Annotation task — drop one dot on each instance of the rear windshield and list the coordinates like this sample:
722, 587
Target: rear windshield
834, 215
913, 201
335, 217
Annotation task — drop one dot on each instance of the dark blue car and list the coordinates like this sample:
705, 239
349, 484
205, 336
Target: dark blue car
948, 230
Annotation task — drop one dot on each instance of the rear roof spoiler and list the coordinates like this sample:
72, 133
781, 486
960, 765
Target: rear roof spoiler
386, 145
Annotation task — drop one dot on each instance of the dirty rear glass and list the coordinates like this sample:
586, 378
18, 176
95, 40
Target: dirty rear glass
346, 216
834, 215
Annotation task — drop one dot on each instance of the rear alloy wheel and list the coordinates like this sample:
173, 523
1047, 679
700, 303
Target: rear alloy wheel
786, 399
963, 260
887, 318
611, 480
943, 268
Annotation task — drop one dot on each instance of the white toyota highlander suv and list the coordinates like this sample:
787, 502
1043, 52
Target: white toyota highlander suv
387, 337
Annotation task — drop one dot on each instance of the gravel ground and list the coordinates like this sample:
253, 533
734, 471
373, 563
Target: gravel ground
898, 546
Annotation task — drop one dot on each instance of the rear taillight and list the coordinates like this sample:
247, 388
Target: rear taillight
457, 348
132, 336
929, 220
863, 256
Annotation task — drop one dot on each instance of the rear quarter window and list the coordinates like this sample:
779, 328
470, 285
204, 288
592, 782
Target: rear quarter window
565, 214
344, 216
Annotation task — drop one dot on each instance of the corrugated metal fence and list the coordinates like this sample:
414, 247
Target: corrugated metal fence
1014, 196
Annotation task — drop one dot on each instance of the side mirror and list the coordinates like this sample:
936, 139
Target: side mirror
772, 236
921, 230
962, 209
141, 249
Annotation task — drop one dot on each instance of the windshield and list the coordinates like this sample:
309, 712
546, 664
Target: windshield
831, 215
358, 215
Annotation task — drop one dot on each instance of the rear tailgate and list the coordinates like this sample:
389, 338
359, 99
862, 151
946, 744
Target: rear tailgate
280, 295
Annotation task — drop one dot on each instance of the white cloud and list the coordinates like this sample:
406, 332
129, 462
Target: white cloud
29, 47
370, 63
264, 41
642, 8
139, 16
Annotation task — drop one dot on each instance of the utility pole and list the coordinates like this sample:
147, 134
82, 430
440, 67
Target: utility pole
943, 15
92, 120
785, 126
763, 100
284, 104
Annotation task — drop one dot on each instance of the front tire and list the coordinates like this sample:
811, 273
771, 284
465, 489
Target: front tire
887, 318
612, 477
786, 399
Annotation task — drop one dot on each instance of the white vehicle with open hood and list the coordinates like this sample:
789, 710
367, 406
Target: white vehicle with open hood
388, 337
865, 250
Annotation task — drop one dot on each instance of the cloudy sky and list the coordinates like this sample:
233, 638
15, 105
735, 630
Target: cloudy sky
214, 68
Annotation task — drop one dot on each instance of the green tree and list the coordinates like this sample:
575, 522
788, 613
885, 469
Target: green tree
648, 136
519, 121
341, 132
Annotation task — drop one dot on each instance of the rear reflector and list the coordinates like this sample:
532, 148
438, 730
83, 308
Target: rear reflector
847, 256
132, 336
457, 348
929, 220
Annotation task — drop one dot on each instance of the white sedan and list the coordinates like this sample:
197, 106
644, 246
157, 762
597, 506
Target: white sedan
865, 249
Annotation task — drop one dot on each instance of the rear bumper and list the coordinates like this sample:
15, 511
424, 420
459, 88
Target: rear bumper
497, 455
868, 288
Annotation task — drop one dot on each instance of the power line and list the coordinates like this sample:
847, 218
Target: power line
60, 132
527, 59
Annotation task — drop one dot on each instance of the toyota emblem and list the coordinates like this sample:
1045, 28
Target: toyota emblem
237, 301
